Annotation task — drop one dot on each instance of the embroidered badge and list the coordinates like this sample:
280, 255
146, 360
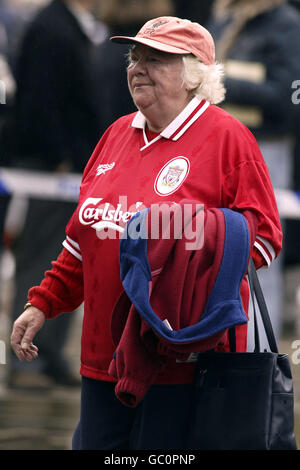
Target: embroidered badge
171, 176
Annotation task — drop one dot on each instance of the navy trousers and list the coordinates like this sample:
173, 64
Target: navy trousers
161, 421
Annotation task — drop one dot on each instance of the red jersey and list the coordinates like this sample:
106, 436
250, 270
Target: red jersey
204, 155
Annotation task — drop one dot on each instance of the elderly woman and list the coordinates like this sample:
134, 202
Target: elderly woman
178, 145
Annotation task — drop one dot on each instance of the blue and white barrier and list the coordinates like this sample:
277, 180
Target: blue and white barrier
39, 184
288, 203
65, 186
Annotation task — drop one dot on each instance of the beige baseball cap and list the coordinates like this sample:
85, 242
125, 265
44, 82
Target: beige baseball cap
176, 36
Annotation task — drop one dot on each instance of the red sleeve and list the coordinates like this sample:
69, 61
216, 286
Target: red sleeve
248, 189
62, 287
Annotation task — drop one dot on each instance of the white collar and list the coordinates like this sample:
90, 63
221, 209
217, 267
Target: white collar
181, 123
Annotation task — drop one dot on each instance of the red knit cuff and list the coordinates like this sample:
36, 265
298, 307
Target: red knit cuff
130, 392
41, 304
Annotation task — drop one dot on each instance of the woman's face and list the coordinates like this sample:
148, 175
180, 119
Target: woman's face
155, 79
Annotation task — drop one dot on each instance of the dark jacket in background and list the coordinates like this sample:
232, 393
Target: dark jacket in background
296, 4
193, 9
114, 96
271, 39
57, 110
293, 226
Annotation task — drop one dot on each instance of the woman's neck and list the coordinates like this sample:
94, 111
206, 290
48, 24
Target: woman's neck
158, 119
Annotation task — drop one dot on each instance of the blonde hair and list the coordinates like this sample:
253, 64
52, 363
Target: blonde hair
204, 81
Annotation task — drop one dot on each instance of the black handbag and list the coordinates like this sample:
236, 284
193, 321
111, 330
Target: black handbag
245, 400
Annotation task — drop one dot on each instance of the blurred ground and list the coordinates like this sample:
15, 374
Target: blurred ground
45, 420
36, 417
35, 421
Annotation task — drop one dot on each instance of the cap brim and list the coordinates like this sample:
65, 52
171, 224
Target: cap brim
150, 43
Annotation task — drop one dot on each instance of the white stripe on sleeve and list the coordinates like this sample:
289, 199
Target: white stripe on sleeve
266, 249
70, 246
268, 245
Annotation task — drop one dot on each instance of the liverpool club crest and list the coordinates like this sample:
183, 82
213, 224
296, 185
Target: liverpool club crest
171, 176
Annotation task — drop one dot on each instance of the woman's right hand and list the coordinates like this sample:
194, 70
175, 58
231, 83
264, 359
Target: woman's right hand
24, 330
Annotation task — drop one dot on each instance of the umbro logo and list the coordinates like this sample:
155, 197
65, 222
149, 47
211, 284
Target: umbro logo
104, 168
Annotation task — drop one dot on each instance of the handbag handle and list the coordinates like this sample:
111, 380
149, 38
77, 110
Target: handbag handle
255, 288
256, 292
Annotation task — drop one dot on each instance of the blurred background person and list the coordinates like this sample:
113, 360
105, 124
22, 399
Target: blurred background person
14, 16
292, 231
8, 25
56, 125
258, 42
